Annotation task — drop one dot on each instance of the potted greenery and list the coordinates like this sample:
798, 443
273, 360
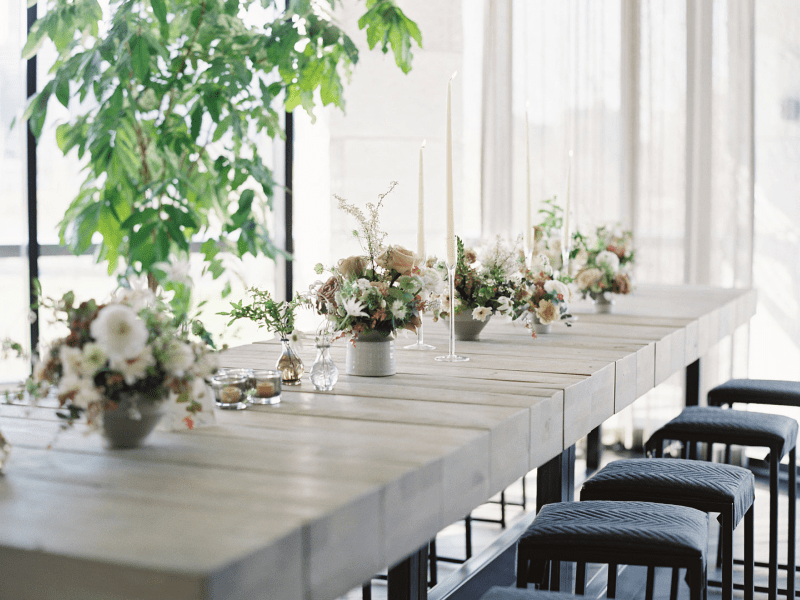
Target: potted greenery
167, 100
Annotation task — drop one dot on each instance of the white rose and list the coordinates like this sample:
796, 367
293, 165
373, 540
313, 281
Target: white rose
133, 369
119, 331
558, 287
178, 358
609, 259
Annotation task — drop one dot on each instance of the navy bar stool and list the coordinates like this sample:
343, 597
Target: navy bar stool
709, 487
511, 593
708, 424
633, 533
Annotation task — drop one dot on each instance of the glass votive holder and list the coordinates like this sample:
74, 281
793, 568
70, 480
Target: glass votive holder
239, 371
230, 390
267, 387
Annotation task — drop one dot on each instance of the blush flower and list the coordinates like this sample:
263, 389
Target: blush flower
547, 312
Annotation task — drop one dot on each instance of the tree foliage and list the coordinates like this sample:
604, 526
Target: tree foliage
167, 100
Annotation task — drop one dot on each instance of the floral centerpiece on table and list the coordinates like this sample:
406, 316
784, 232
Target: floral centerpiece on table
603, 264
126, 351
541, 295
276, 316
382, 290
547, 238
485, 283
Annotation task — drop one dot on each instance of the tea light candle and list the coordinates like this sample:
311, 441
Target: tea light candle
230, 390
266, 387
230, 394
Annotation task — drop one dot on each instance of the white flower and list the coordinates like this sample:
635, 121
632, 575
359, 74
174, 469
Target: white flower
176, 271
177, 358
69, 383
481, 313
119, 332
138, 296
296, 338
399, 310
609, 259
354, 308
133, 369
363, 284
206, 364
86, 394
558, 287
71, 360
540, 263
93, 358
504, 304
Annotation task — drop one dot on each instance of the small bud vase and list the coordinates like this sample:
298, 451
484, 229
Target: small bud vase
290, 365
324, 373
371, 354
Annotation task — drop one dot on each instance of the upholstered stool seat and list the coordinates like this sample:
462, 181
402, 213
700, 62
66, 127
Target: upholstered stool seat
756, 391
634, 533
710, 424
710, 487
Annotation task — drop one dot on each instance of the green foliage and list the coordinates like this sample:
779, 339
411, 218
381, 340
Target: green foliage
175, 98
276, 316
552, 221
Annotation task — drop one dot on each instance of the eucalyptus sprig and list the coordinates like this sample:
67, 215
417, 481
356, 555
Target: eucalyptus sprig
265, 311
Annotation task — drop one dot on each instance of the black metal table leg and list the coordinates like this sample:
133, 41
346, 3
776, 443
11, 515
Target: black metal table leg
408, 579
555, 482
593, 449
693, 384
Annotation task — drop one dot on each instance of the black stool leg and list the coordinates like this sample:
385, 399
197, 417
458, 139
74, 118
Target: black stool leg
774, 462
696, 577
503, 509
468, 535
580, 579
674, 583
366, 591
748, 554
522, 570
726, 460
790, 565
726, 527
651, 582
433, 563
612, 581
524, 497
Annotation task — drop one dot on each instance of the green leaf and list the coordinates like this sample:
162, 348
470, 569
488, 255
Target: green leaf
62, 91
159, 10
221, 128
140, 57
36, 38
139, 217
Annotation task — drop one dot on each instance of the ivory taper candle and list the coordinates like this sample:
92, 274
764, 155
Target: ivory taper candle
528, 229
421, 209
451, 234
567, 205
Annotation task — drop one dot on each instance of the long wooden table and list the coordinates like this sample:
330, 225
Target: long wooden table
308, 498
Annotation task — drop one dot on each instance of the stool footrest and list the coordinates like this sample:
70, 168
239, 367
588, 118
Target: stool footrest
757, 588
763, 565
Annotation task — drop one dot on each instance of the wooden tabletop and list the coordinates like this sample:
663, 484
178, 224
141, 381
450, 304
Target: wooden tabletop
308, 498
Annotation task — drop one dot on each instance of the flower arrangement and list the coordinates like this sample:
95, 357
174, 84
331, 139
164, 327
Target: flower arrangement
486, 286
277, 316
547, 235
541, 295
382, 290
128, 346
603, 264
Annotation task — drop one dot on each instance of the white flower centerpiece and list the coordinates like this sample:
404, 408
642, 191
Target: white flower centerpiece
369, 297
121, 361
603, 265
542, 296
485, 284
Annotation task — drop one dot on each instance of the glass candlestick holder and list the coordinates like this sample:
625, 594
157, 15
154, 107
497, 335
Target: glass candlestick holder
420, 343
451, 355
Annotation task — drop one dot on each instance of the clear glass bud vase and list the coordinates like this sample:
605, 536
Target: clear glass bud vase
290, 365
324, 373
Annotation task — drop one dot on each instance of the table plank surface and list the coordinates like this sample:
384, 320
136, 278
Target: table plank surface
307, 498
